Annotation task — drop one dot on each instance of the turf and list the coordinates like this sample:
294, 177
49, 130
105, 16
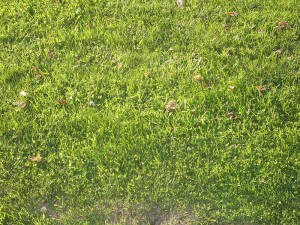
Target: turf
140, 112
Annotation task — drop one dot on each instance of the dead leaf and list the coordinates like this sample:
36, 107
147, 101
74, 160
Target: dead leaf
36, 71
262, 87
224, 67
232, 14
282, 24
206, 85
171, 129
62, 102
148, 74
232, 115
36, 159
180, 3
198, 78
120, 65
172, 106
277, 52
227, 27
20, 105
43, 209
51, 54
260, 31
23, 93
16, 134
92, 104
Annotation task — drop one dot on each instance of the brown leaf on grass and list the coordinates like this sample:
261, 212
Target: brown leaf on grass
172, 106
170, 128
198, 78
232, 14
62, 102
16, 134
36, 71
51, 54
36, 159
120, 65
260, 31
23, 93
43, 209
232, 115
20, 105
277, 51
148, 74
282, 24
92, 104
206, 85
224, 67
262, 87
227, 27
180, 3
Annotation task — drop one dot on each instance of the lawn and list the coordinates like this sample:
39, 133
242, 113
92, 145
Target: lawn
143, 112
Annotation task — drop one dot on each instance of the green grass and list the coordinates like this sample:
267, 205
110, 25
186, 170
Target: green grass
229, 154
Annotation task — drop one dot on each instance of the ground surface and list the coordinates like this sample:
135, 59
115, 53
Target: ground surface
140, 112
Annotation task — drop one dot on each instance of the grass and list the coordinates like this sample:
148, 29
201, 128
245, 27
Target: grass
95, 139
